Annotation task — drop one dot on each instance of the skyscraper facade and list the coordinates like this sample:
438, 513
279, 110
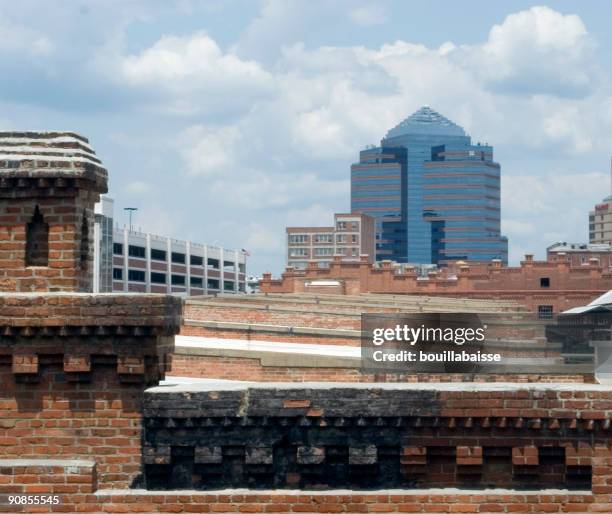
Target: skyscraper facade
376, 190
435, 195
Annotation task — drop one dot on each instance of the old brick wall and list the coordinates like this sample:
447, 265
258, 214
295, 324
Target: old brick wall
289, 315
73, 369
533, 437
336, 320
312, 502
569, 286
252, 369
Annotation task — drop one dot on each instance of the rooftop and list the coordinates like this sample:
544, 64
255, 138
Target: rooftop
49, 154
579, 247
190, 385
426, 121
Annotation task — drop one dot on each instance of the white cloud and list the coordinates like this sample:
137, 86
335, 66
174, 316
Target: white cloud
195, 74
279, 23
209, 151
257, 190
538, 50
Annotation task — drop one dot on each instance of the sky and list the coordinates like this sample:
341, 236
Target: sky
226, 121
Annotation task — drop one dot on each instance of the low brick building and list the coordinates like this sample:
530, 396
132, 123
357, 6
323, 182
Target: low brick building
546, 287
580, 254
351, 237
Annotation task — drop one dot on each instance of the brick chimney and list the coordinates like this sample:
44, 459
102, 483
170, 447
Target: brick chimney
49, 183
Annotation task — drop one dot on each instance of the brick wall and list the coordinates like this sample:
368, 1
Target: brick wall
47, 476
535, 437
193, 329
288, 316
312, 502
569, 286
73, 368
252, 369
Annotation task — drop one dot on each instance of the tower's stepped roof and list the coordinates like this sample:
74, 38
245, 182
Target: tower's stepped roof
22, 149
426, 121
45, 154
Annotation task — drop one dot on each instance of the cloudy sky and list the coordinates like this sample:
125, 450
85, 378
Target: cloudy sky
225, 121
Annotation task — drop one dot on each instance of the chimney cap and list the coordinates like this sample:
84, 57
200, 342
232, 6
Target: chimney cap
40, 155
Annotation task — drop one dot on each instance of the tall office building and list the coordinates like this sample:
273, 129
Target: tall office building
435, 195
377, 182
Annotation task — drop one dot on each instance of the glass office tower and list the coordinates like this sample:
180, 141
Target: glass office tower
377, 182
448, 193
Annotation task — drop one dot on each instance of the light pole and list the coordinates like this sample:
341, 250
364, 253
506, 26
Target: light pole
130, 210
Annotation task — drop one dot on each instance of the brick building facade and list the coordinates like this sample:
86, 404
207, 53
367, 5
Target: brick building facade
351, 236
580, 254
541, 286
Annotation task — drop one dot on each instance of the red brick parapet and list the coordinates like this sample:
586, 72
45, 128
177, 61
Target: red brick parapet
568, 286
73, 369
82, 330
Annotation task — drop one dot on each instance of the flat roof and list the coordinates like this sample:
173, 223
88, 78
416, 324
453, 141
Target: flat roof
182, 384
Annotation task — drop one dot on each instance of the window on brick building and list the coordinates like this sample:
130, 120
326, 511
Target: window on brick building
136, 251
158, 278
135, 275
196, 260
324, 238
228, 285
117, 274
545, 311
544, 282
158, 255
213, 283
196, 282
213, 263
117, 248
298, 238
178, 280
37, 240
178, 258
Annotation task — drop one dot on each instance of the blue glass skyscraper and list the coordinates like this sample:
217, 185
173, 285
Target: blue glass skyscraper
435, 196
